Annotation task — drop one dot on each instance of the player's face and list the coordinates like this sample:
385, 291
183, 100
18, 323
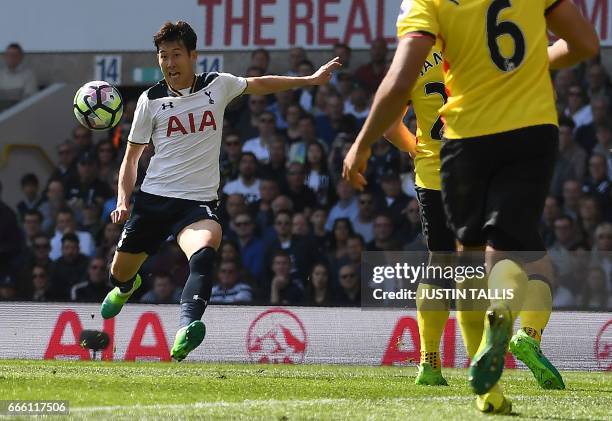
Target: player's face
176, 63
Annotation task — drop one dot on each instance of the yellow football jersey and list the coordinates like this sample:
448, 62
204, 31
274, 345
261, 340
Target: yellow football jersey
427, 97
496, 68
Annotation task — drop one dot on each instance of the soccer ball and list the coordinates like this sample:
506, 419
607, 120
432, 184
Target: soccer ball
98, 105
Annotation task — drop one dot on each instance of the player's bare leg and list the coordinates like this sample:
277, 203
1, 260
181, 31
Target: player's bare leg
199, 241
124, 276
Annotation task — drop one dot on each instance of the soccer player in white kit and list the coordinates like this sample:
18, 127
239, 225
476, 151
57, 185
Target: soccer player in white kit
183, 115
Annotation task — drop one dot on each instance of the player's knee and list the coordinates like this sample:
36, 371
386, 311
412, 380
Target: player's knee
202, 261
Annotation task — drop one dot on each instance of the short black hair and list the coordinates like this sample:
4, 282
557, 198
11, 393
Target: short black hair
71, 237
16, 46
179, 31
35, 212
29, 178
261, 51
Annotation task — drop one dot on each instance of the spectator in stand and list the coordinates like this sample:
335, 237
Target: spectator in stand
383, 161
586, 135
339, 148
82, 137
284, 288
230, 157
598, 82
163, 291
319, 288
341, 231
280, 107
296, 56
572, 192
32, 225
370, 75
268, 191
595, 294
110, 237
603, 133
598, 182
54, 201
564, 78
89, 188
562, 297
395, 200
95, 286
251, 247
552, 210
282, 204
560, 253
234, 205
91, 222
354, 247
31, 195
345, 87
578, 108
70, 268
412, 230
229, 251
346, 207
66, 223
601, 256
299, 225
41, 285
230, 289
302, 196
297, 247
344, 52
260, 145
358, 105
8, 287
17, 81
383, 234
66, 170
334, 120
306, 96
571, 162
320, 100
111, 202
11, 240
363, 222
319, 234
276, 166
247, 183
261, 58
106, 158
39, 254
308, 135
119, 138
350, 289
590, 216
249, 120
317, 175
292, 131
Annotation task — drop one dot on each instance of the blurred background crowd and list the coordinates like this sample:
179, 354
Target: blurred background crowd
293, 230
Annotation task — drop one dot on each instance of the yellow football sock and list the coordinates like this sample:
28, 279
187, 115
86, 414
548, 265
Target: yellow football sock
471, 324
432, 315
507, 277
536, 308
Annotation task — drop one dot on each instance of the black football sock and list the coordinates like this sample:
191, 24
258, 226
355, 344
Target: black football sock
198, 287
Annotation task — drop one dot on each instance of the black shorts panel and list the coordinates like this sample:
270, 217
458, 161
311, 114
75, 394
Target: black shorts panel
154, 218
433, 219
494, 186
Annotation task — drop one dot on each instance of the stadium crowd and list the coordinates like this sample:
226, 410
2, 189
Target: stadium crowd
293, 230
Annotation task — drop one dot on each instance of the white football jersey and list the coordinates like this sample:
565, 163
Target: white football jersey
186, 133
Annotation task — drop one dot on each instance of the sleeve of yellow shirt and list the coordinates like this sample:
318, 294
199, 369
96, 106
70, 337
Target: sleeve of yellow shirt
418, 16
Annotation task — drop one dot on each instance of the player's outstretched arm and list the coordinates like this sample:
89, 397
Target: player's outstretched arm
389, 102
579, 40
399, 135
265, 85
127, 180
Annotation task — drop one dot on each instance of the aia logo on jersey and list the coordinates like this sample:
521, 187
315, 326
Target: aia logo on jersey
175, 125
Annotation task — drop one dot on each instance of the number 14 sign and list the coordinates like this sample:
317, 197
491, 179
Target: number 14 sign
108, 68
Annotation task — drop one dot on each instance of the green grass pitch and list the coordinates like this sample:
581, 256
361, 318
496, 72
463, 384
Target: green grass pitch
117, 390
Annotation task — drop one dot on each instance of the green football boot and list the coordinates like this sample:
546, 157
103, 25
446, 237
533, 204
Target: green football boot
488, 363
115, 299
428, 376
528, 350
187, 339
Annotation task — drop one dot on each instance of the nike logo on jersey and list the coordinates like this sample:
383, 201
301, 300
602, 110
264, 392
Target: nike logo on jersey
168, 105
210, 100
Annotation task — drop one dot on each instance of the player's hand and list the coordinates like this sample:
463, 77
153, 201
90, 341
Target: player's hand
324, 74
119, 215
354, 167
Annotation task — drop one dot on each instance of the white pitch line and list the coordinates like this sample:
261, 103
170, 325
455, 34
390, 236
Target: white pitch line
267, 402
